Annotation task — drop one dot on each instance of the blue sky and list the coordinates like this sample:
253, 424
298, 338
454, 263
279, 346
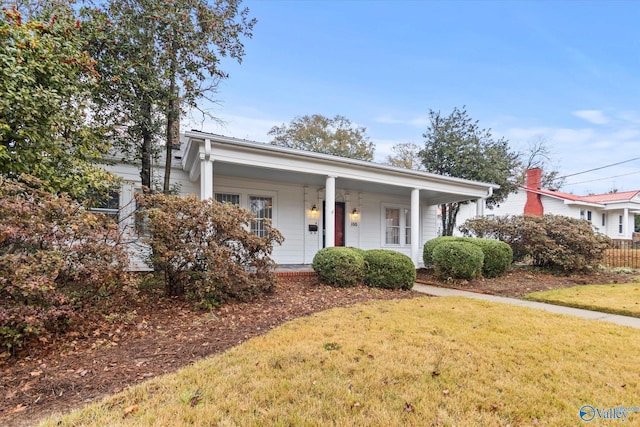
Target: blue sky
567, 72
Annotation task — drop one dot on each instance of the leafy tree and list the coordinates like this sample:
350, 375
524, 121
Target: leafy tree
336, 136
44, 81
157, 59
407, 155
456, 146
538, 155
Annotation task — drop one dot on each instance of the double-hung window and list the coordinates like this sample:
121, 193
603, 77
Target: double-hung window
397, 226
262, 208
108, 204
234, 199
620, 222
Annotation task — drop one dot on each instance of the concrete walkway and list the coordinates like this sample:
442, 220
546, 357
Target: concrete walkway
634, 322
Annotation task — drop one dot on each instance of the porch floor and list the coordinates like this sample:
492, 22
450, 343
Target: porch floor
294, 270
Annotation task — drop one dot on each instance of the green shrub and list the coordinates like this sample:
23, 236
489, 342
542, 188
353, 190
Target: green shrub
458, 260
497, 256
206, 249
339, 266
389, 269
429, 246
549, 241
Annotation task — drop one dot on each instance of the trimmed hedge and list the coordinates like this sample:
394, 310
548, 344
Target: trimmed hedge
458, 260
429, 246
497, 256
389, 269
339, 266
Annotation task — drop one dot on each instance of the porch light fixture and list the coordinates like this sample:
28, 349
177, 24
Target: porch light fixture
354, 217
314, 210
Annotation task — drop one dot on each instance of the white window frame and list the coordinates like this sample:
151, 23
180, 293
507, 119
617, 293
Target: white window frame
115, 194
232, 194
620, 224
246, 193
404, 210
259, 231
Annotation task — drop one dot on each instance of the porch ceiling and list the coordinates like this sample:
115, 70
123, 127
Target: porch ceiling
315, 180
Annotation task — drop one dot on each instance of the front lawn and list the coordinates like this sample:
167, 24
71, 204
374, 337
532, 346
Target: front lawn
621, 299
423, 361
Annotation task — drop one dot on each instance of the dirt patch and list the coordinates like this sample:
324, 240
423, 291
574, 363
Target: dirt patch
110, 350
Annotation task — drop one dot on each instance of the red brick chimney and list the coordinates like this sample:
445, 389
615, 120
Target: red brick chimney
534, 203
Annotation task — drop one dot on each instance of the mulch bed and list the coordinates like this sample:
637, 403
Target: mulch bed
153, 335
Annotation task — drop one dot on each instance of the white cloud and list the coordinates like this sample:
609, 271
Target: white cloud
595, 117
419, 122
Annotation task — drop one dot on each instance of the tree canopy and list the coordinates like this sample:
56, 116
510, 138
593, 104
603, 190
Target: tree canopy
44, 81
406, 155
158, 58
456, 146
538, 155
337, 136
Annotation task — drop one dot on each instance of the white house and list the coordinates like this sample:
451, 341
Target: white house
315, 200
612, 214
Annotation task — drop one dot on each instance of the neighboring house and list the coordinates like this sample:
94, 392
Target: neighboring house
315, 200
612, 214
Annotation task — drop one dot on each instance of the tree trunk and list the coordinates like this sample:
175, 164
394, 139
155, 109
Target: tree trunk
172, 117
449, 215
147, 140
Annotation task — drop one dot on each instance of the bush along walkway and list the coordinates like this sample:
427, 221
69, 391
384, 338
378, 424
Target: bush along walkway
634, 322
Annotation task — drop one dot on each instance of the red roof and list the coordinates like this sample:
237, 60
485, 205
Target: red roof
594, 198
622, 196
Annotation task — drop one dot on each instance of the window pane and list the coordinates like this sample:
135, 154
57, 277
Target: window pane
392, 233
262, 209
407, 226
234, 199
108, 204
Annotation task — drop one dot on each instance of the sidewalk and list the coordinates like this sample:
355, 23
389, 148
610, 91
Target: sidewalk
634, 322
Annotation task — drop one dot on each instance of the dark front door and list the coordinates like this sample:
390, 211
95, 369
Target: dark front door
339, 226
339, 230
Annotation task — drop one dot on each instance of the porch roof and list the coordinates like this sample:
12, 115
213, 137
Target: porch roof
242, 158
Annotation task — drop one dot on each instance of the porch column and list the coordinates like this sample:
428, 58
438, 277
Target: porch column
415, 225
206, 172
480, 207
330, 212
625, 225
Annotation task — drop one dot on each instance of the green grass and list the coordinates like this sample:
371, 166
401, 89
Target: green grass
418, 362
621, 299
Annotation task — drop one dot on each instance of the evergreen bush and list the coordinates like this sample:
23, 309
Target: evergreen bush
458, 260
389, 269
339, 266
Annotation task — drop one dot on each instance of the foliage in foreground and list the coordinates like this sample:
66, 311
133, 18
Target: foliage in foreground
339, 266
378, 268
51, 249
388, 269
206, 249
44, 80
424, 361
458, 260
549, 241
496, 261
